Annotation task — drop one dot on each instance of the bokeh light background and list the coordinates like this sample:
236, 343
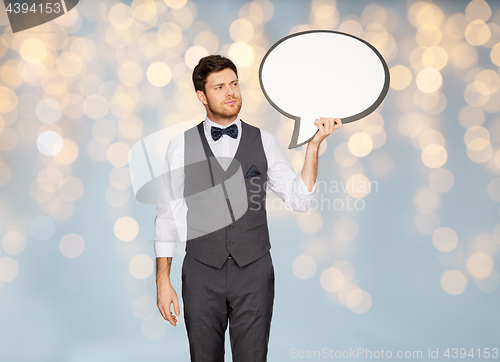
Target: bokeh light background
412, 265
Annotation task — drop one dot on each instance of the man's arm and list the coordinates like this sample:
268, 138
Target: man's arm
165, 293
169, 206
310, 170
297, 191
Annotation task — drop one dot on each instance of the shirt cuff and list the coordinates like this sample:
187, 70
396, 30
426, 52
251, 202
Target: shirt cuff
302, 190
164, 248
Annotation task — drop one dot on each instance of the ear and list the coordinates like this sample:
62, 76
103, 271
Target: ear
201, 96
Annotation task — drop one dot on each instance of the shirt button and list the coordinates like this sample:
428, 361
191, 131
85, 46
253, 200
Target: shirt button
230, 243
230, 226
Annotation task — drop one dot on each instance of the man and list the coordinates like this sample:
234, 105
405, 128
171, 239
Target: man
227, 272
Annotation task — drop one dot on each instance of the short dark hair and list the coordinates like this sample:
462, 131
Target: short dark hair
207, 65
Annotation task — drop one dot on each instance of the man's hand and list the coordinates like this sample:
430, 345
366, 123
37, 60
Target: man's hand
166, 295
326, 127
310, 169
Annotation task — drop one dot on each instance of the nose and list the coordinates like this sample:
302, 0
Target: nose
230, 91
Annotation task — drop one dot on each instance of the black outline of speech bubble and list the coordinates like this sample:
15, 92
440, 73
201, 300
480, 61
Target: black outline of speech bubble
296, 127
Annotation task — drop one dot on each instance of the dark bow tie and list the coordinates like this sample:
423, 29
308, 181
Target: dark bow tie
231, 131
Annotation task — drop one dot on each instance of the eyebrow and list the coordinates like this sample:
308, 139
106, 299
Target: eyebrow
234, 80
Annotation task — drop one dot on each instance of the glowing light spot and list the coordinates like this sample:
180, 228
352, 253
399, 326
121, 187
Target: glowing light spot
360, 144
117, 154
8, 100
435, 57
73, 106
343, 156
130, 127
126, 228
422, 12
9, 269
471, 116
428, 35
159, 74
478, 10
121, 16
487, 82
13, 242
241, 30
495, 54
69, 152
426, 222
175, 4
194, 54
304, 266
84, 48
141, 266
441, 180
434, 155
480, 156
358, 185
445, 239
477, 138
207, 40
493, 189
453, 282
359, 301
480, 265
242, 54
33, 50
426, 199
71, 245
182, 16
332, 280
169, 35
429, 80
474, 97
455, 26
145, 11
96, 106
71, 189
69, 64
464, 55
49, 143
130, 74
310, 222
48, 111
400, 77
351, 26
477, 33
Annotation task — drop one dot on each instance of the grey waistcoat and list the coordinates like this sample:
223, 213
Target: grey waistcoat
226, 210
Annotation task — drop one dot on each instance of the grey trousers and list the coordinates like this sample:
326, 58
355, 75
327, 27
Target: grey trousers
243, 296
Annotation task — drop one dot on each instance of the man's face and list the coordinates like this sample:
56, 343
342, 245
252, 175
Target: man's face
222, 97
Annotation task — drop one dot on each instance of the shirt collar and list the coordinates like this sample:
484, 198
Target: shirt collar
208, 124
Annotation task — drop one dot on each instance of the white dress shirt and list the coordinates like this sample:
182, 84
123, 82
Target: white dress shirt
281, 179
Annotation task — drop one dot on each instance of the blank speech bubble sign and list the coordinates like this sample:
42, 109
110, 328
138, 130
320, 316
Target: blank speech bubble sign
323, 73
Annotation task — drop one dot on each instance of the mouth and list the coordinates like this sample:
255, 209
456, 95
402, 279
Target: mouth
231, 102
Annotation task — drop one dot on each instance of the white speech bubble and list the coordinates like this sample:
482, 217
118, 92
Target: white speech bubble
323, 73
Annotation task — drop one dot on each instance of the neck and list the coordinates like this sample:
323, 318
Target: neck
220, 120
